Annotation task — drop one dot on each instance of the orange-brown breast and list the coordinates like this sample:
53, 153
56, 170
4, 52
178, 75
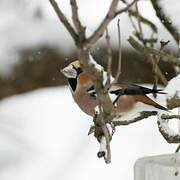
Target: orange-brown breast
84, 80
86, 102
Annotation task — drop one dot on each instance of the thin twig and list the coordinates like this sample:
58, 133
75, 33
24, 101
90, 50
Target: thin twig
109, 61
133, 24
75, 17
157, 72
166, 57
126, 8
142, 19
139, 22
139, 34
178, 148
118, 73
64, 20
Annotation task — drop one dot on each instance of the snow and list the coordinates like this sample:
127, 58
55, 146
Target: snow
95, 64
100, 68
173, 86
44, 136
164, 124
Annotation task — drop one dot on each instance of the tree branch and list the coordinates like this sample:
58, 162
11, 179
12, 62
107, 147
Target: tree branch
142, 19
112, 13
75, 17
166, 57
109, 61
142, 115
126, 8
166, 21
167, 133
102, 27
118, 73
151, 41
64, 20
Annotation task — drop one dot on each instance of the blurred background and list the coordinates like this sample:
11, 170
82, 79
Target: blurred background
43, 134
35, 45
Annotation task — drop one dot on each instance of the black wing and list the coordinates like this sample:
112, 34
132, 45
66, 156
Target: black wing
91, 91
134, 89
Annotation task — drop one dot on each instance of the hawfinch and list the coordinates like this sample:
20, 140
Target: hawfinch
126, 98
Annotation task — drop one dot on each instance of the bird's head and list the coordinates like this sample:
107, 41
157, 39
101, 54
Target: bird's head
72, 70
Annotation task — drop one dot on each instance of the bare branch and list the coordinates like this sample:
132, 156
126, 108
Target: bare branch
112, 13
139, 22
157, 71
64, 20
142, 19
166, 21
168, 117
126, 8
75, 17
166, 57
118, 73
142, 115
139, 34
109, 61
102, 27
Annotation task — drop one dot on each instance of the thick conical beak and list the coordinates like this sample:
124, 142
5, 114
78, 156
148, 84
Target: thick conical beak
69, 72
62, 71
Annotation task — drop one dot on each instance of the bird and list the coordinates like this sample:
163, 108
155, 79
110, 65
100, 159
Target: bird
128, 99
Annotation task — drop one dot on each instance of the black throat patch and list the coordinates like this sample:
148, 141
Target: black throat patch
73, 83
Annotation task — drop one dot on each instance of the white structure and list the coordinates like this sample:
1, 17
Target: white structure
161, 167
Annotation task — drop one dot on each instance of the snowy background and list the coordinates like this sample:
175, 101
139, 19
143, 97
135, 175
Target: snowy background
43, 134
45, 143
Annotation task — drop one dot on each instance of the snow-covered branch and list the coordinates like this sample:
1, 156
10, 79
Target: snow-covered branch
168, 24
170, 135
173, 101
142, 115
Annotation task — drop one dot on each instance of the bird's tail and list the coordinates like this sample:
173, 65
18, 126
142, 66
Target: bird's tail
156, 91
